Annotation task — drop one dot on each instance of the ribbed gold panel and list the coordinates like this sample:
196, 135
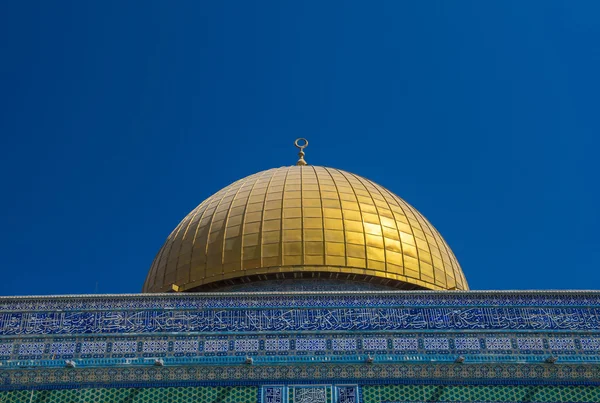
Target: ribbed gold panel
303, 219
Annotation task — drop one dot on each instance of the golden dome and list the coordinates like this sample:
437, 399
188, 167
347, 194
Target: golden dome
304, 221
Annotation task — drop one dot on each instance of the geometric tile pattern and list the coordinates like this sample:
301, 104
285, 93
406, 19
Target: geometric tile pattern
273, 394
467, 343
371, 394
277, 344
530, 343
476, 347
93, 347
350, 298
205, 339
6, 349
436, 343
387, 373
375, 343
346, 394
478, 393
344, 344
31, 348
498, 343
247, 394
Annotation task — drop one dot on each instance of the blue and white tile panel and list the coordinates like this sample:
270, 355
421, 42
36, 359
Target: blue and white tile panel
355, 299
242, 321
334, 345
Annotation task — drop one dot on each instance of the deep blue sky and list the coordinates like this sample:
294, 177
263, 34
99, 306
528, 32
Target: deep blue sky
117, 118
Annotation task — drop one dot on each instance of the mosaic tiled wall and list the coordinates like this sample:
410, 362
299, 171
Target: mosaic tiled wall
350, 347
312, 394
135, 395
489, 393
207, 375
304, 334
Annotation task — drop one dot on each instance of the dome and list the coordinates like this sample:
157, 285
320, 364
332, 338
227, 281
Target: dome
304, 222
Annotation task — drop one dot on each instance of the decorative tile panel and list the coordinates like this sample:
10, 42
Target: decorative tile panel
498, 343
273, 394
375, 343
185, 346
530, 343
293, 320
93, 347
62, 348
478, 393
216, 345
467, 343
517, 347
198, 394
350, 299
155, 346
387, 373
347, 394
328, 341
436, 343
310, 394
405, 343
124, 347
6, 349
590, 344
31, 348
372, 394
561, 343
244, 345
277, 344
310, 344
343, 344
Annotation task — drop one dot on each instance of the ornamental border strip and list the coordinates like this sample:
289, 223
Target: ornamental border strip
350, 347
300, 319
305, 298
256, 375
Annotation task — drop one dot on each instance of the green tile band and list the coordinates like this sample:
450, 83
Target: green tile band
475, 393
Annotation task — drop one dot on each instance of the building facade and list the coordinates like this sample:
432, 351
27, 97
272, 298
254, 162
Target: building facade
303, 284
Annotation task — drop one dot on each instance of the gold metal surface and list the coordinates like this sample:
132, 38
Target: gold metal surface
301, 143
304, 220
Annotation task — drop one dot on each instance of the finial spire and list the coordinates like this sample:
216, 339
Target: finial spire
301, 147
